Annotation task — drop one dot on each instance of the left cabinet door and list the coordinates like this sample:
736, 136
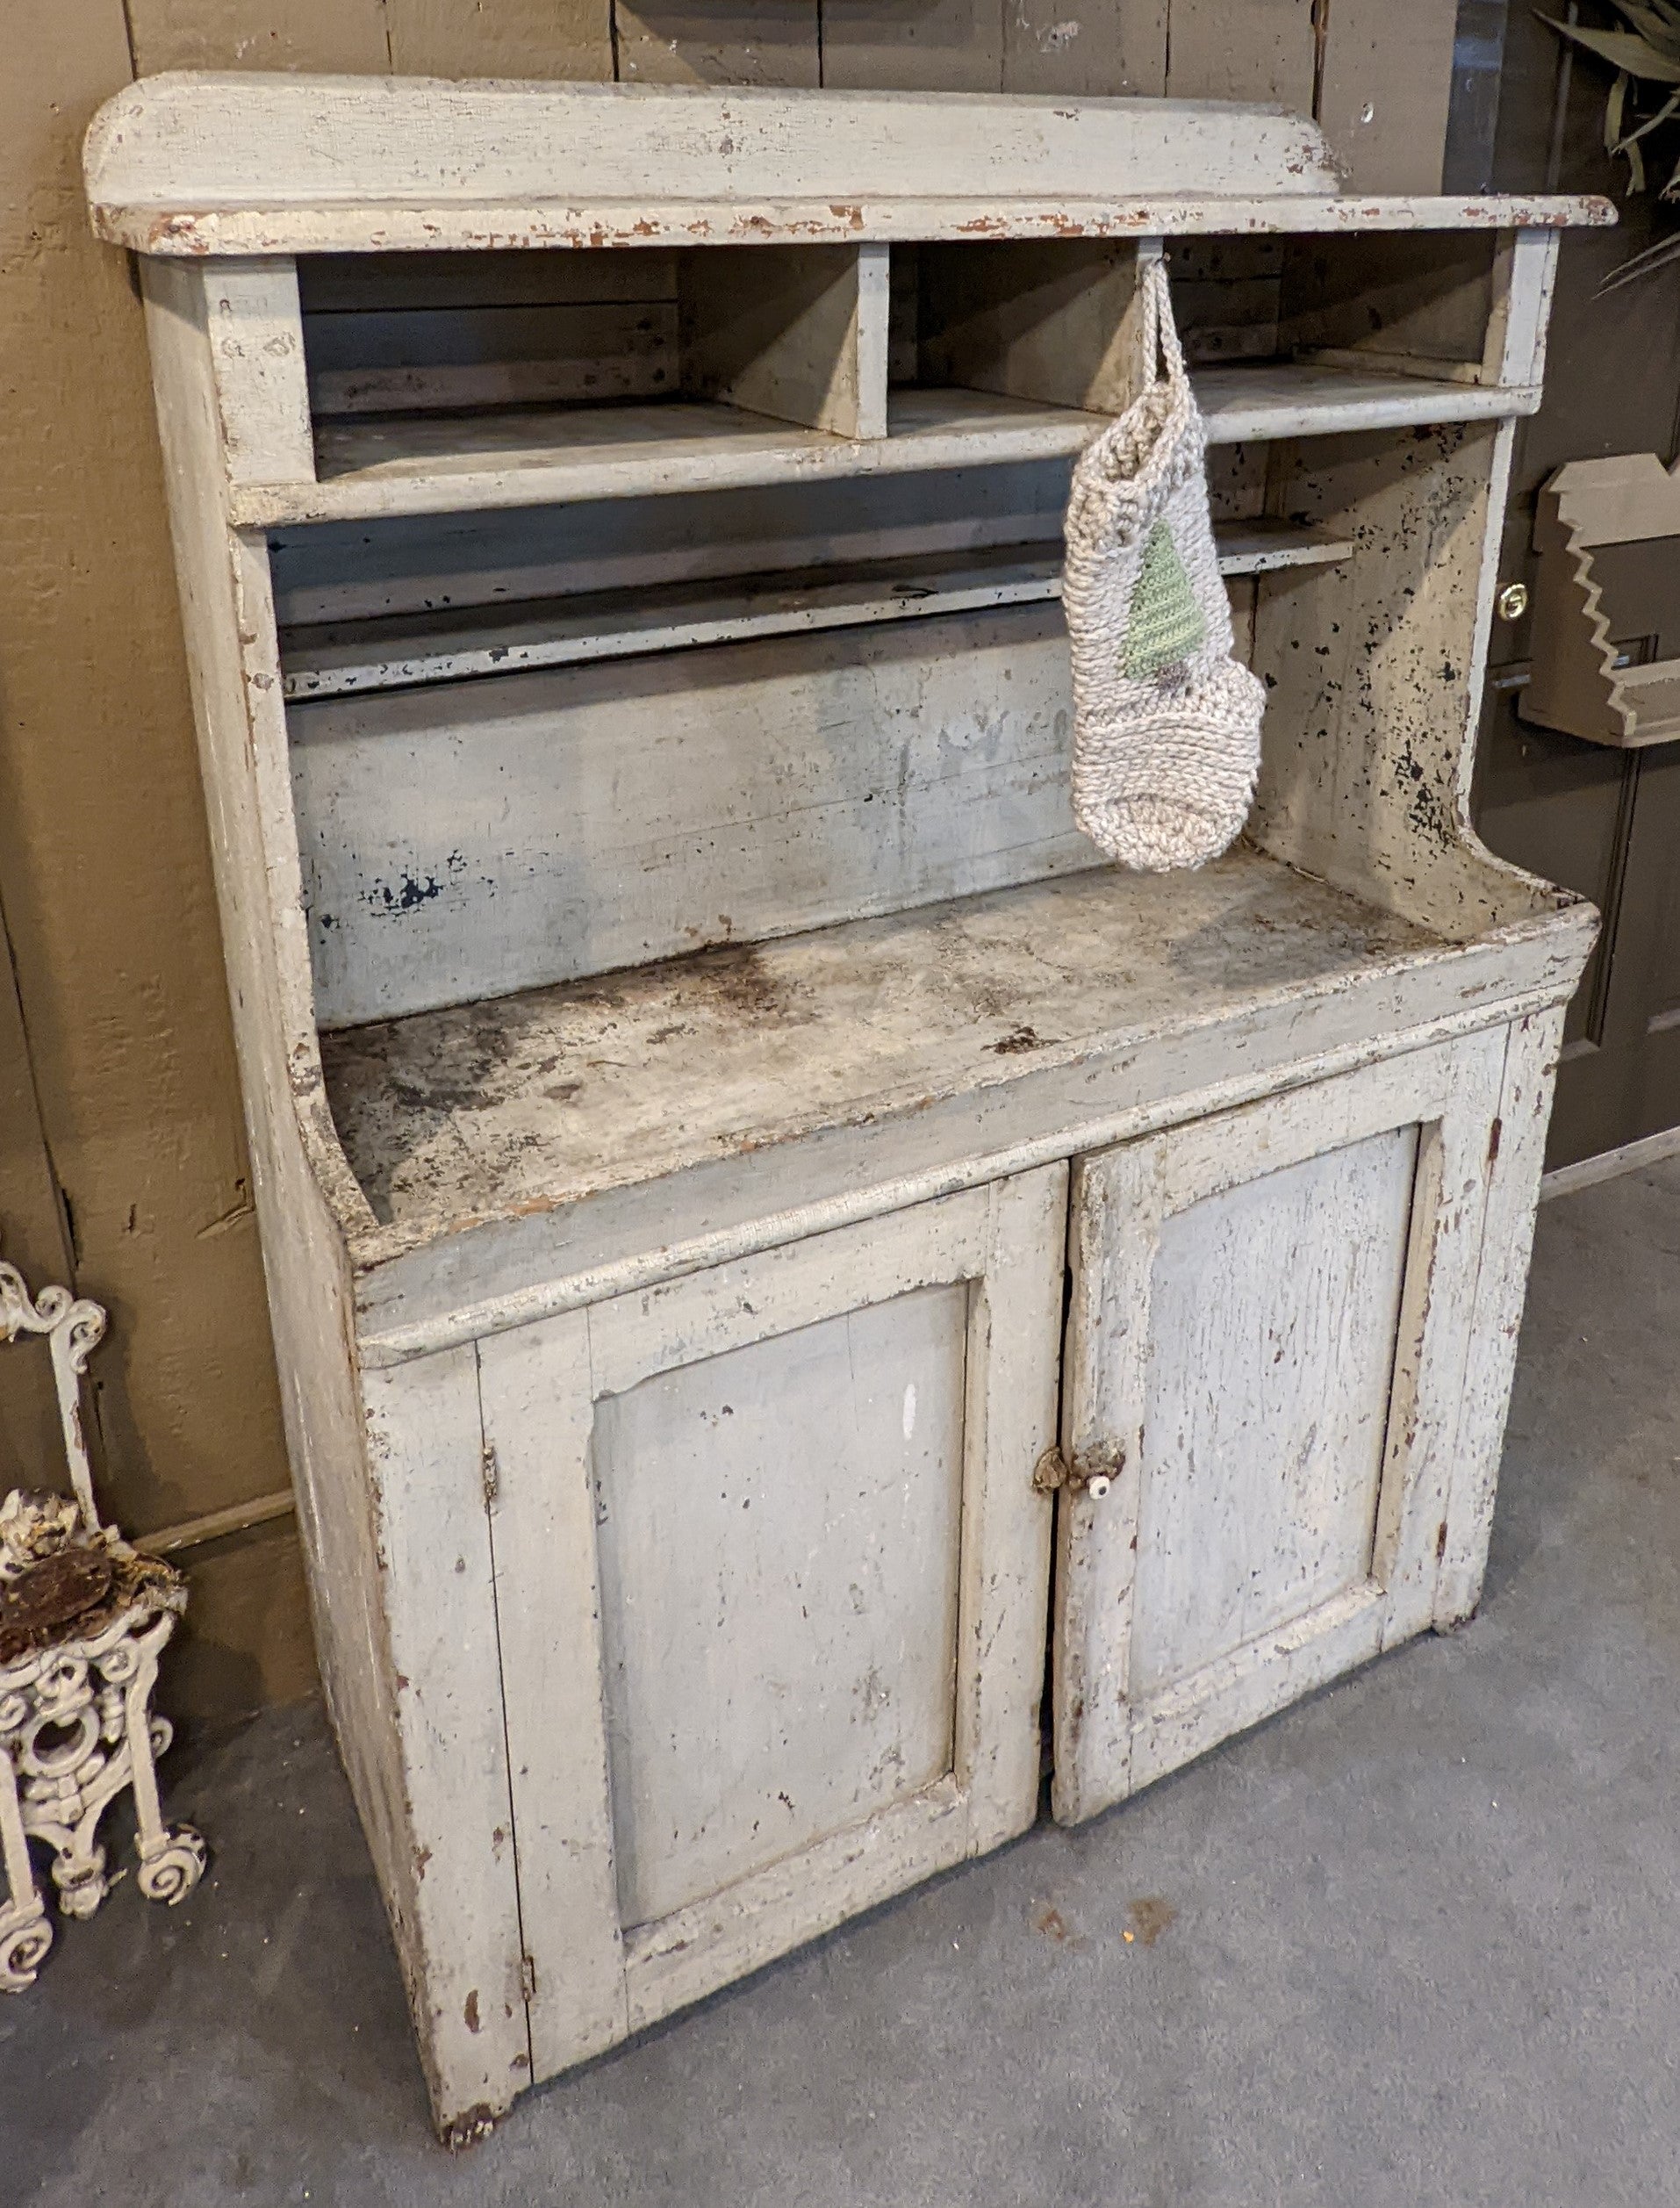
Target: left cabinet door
770, 1580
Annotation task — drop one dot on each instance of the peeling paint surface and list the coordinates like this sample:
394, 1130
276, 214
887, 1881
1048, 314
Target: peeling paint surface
485, 1110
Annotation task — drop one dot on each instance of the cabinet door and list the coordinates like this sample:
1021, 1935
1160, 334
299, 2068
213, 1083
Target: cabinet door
771, 1583
1267, 1346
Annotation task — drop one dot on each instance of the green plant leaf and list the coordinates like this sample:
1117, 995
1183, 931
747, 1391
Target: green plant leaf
1615, 107
1623, 49
1650, 259
1670, 106
1657, 28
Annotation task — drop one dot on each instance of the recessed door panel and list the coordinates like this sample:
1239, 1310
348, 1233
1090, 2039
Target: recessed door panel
779, 1530
1275, 1307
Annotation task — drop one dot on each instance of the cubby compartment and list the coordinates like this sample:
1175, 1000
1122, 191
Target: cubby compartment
422, 355
1302, 335
460, 381
1053, 322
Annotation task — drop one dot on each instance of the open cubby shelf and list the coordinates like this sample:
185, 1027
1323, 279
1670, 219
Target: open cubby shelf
334, 659
529, 456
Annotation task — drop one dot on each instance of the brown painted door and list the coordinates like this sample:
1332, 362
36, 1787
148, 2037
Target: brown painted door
1607, 823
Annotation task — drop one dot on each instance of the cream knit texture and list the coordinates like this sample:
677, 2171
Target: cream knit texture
1166, 723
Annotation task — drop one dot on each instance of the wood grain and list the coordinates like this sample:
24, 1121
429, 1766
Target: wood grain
914, 46
347, 35
1264, 50
567, 39
1105, 46
717, 42
33, 1237
638, 810
1385, 89
105, 859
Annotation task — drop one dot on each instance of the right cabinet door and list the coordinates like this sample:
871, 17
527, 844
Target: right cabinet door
1271, 1317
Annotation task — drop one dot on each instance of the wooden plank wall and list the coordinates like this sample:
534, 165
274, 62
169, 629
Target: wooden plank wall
129, 1171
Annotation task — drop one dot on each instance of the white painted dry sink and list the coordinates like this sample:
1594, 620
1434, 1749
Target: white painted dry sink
688, 1049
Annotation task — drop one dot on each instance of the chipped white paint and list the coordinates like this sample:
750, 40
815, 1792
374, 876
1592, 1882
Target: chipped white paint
404, 650
802, 1655
197, 164
1270, 1320
513, 456
764, 1245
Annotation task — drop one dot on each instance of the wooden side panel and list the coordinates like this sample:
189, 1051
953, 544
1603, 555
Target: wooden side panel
537, 1402
557, 825
1385, 701
701, 42
780, 1533
929, 45
1385, 89
1517, 1155
426, 1442
1057, 322
353, 1556
1273, 1317
1263, 50
1114, 46
795, 332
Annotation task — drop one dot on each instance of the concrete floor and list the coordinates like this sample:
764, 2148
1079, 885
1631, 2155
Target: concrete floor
1415, 1942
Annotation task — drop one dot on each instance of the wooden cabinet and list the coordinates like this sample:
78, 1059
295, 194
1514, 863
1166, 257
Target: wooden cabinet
690, 1054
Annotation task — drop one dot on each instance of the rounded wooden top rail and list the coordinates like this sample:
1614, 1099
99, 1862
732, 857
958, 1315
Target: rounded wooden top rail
195, 164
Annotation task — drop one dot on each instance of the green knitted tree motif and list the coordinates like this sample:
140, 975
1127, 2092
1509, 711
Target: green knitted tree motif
1165, 623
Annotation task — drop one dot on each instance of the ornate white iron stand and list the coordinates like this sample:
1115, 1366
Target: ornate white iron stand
84, 1619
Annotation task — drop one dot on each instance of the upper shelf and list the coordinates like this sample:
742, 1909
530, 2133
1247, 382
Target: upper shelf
541, 455
194, 164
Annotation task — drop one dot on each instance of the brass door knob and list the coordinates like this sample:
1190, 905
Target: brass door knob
1512, 601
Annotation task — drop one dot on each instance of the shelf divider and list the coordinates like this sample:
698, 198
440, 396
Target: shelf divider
794, 332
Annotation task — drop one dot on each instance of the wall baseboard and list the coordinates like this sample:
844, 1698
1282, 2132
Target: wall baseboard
1649, 1150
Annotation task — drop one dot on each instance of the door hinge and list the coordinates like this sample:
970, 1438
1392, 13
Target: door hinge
491, 1472
527, 1978
1052, 1471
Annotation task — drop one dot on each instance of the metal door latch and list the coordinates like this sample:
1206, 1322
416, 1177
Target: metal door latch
1052, 1471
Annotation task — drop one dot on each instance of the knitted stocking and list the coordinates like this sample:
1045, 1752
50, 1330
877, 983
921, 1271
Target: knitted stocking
1166, 723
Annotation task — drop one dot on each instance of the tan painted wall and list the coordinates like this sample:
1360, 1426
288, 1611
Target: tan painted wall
121, 1158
